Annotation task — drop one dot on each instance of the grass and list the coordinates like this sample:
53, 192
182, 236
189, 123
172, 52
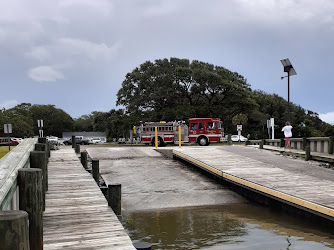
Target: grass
3, 151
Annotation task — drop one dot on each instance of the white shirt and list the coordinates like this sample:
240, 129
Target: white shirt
287, 130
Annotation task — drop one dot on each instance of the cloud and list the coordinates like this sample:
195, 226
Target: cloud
328, 117
8, 104
45, 74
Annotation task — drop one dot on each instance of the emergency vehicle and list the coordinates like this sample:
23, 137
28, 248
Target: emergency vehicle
200, 130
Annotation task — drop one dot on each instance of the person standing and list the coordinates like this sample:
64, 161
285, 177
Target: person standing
288, 134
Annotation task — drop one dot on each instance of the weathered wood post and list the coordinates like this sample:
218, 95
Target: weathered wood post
282, 142
37, 160
331, 145
96, 170
84, 159
31, 201
304, 143
44, 140
307, 153
14, 232
77, 148
261, 144
229, 139
114, 197
73, 141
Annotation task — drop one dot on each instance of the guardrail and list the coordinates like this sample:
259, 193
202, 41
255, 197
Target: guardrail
16, 159
316, 144
23, 183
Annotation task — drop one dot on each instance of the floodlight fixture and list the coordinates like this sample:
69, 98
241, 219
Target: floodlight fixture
287, 66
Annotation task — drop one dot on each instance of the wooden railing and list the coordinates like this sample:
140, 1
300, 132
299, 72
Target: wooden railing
16, 159
23, 183
316, 144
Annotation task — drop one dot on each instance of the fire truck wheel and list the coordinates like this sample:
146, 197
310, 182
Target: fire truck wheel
161, 142
203, 141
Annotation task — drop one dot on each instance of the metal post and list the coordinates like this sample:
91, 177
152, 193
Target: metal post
179, 136
288, 95
156, 137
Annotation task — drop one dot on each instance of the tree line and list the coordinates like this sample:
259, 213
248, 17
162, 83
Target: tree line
175, 89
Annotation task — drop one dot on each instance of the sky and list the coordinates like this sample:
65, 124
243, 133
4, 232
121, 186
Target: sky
75, 54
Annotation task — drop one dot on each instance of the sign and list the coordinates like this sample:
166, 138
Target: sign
40, 123
239, 127
7, 128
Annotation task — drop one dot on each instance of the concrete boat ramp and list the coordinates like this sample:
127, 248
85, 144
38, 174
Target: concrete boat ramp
152, 182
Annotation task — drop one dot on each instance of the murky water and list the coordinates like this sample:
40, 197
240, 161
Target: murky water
244, 226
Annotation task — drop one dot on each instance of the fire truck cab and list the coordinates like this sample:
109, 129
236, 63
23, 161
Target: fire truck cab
205, 130
201, 130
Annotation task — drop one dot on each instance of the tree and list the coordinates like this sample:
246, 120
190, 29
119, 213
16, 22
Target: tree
55, 120
177, 89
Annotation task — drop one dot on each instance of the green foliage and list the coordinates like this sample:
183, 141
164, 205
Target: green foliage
24, 116
178, 89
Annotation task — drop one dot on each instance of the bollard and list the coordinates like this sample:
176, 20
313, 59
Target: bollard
73, 141
330, 145
261, 144
307, 153
77, 148
84, 159
114, 197
229, 139
31, 201
282, 142
14, 232
142, 245
37, 160
42, 140
96, 170
304, 143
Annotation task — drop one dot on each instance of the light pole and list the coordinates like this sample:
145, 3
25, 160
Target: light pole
291, 72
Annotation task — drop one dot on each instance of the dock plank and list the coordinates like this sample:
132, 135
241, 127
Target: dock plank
294, 187
77, 215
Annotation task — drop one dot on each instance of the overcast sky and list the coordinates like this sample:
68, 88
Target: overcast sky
75, 53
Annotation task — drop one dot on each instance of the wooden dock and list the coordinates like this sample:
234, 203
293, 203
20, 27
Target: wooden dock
298, 189
300, 153
77, 215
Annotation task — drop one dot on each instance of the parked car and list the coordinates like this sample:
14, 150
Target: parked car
78, 140
95, 141
121, 140
237, 138
53, 139
15, 141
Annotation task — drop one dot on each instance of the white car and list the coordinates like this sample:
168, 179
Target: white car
53, 139
95, 141
237, 138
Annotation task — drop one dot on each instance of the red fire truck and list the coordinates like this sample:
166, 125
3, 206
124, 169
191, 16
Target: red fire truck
200, 130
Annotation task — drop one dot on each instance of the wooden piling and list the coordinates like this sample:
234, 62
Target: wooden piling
304, 143
77, 148
96, 170
307, 153
114, 197
331, 145
229, 139
42, 140
14, 232
84, 159
31, 201
73, 141
261, 144
38, 160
